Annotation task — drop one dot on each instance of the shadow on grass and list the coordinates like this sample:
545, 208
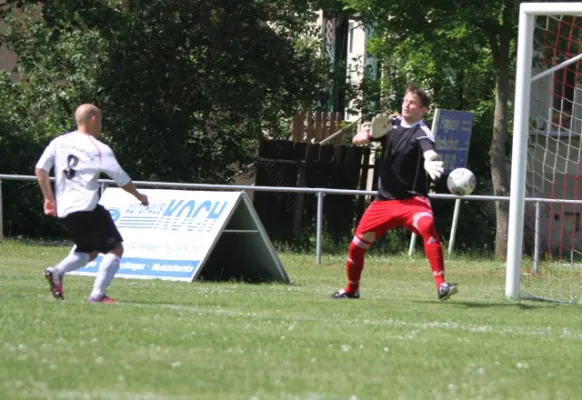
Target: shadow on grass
479, 304
26, 242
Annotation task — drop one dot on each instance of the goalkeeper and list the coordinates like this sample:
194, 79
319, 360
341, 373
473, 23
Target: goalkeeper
408, 156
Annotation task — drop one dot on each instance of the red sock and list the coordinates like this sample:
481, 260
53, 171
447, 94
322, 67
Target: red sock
355, 263
432, 249
434, 253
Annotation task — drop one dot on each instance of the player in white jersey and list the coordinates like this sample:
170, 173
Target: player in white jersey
78, 158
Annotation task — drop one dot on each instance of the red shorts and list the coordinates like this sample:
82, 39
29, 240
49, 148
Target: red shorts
383, 215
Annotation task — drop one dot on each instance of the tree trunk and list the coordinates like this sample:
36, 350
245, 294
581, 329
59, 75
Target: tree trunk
499, 166
500, 45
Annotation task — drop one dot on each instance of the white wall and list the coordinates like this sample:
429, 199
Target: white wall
356, 58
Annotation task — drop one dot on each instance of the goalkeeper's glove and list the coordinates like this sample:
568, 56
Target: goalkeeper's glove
380, 126
432, 166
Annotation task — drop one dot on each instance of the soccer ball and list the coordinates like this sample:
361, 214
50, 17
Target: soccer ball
461, 182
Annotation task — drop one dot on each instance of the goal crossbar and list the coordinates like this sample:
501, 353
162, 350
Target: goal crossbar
562, 8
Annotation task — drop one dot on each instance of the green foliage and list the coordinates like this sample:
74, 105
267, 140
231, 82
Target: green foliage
445, 47
21, 201
56, 71
186, 88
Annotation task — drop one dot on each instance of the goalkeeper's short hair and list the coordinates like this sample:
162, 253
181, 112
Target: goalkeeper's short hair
422, 95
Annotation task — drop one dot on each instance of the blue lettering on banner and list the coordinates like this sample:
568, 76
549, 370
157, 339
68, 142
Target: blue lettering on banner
115, 213
152, 209
177, 209
213, 214
176, 215
206, 205
149, 267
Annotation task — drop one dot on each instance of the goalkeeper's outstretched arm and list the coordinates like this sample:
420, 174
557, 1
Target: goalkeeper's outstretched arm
362, 137
432, 165
380, 126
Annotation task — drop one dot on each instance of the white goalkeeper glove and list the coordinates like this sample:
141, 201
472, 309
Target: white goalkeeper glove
432, 166
380, 126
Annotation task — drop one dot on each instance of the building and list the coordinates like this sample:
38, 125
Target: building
7, 58
344, 41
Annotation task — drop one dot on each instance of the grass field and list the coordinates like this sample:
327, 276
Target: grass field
168, 340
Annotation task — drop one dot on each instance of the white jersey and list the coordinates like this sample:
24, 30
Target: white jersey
78, 160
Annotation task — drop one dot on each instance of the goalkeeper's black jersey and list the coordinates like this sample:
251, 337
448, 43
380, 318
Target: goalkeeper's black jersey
401, 173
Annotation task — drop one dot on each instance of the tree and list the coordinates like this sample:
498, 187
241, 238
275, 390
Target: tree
458, 33
187, 87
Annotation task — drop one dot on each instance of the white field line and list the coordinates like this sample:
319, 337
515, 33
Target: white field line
544, 332
103, 395
45, 393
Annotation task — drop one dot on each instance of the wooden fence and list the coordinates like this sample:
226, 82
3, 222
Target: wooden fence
313, 127
289, 217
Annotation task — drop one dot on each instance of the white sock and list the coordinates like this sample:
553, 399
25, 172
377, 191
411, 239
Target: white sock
107, 270
73, 261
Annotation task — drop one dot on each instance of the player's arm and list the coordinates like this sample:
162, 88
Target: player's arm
363, 137
432, 165
132, 189
44, 182
379, 127
41, 170
112, 168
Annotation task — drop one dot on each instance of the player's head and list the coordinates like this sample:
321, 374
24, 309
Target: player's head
88, 118
415, 103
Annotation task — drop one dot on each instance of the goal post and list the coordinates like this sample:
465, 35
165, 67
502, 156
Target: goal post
519, 151
546, 140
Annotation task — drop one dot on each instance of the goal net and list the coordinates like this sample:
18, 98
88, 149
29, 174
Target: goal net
546, 158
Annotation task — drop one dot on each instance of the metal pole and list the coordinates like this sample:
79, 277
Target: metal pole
319, 228
412, 245
454, 226
1, 215
519, 155
536, 261
332, 136
557, 67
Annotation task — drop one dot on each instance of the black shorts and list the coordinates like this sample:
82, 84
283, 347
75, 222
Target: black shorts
93, 230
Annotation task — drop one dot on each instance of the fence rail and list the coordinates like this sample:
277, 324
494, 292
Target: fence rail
320, 193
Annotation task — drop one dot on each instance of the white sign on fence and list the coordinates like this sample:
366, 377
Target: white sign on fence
186, 235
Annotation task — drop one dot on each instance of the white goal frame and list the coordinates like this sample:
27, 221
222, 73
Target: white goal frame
527, 14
